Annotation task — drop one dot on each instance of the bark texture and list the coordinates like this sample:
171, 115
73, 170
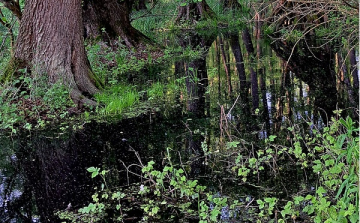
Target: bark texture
50, 42
114, 17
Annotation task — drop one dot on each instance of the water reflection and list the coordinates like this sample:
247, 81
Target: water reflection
45, 171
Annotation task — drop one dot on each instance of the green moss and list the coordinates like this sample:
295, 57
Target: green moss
11, 69
98, 83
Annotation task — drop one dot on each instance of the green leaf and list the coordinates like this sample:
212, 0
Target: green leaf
91, 169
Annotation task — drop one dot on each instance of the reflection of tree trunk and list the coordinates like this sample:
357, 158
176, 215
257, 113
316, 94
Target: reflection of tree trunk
264, 100
315, 68
289, 95
196, 73
217, 59
226, 65
280, 100
196, 83
236, 49
254, 80
196, 152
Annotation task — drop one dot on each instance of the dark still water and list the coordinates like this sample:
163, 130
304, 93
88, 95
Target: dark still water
221, 100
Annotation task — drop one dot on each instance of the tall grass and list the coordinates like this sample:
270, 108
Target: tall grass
117, 99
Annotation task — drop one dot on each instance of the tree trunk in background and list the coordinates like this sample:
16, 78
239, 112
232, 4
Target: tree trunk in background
226, 65
114, 17
317, 69
254, 80
230, 4
193, 12
280, 100
345, 81
264, 100
236, 49
196, 73
50, 42
217, 60
354, 74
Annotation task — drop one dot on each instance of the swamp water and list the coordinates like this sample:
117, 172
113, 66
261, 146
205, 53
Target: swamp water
46, 171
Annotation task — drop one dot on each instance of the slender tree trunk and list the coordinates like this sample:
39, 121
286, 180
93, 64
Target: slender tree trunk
264, 100
218, 65
236, 49
226, 67
345, 79
50, 42
354, 74
254, 80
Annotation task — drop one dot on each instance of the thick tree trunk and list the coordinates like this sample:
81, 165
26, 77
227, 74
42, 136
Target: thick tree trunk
50, 42
114, 17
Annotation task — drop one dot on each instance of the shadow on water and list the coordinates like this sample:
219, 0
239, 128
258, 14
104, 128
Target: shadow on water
45, 171
48, 168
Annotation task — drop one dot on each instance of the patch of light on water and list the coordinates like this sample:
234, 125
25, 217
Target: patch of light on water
262, 134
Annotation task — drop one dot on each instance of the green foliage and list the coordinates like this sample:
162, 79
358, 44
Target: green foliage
29, 102
156, 91
117, 99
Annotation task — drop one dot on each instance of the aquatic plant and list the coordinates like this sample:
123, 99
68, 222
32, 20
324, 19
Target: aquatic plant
169, 192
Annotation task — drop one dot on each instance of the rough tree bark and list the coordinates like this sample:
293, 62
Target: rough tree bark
114, 17
193, 12
50, 42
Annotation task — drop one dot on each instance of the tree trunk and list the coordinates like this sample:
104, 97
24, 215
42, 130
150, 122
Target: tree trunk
254, 80
50, 42
111, 19
236, 49
354, 74
230, 4
193, 12
226, 65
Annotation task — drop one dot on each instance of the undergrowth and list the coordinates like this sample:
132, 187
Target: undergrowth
170, 194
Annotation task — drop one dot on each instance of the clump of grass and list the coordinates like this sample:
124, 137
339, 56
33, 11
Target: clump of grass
117, 99
156, 91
